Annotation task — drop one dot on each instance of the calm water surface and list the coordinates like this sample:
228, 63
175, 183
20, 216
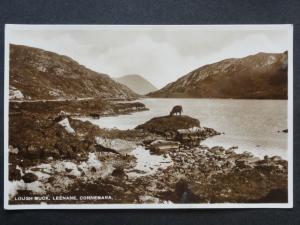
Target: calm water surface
251, 125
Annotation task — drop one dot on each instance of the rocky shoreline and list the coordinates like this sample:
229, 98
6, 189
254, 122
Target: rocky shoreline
161, 161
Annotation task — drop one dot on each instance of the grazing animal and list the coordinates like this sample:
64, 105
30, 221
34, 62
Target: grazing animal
176, 109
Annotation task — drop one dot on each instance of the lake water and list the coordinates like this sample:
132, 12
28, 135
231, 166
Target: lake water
251, 125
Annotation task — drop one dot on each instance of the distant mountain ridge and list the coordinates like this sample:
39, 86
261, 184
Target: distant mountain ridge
39, 74
137, 83
259, 76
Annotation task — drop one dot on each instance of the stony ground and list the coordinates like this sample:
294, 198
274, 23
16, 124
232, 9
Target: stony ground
52, 154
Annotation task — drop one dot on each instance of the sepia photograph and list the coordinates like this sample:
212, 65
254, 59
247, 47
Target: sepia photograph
148, 116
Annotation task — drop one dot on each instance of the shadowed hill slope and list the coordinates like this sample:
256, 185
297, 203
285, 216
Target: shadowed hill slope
39, 74
260, 76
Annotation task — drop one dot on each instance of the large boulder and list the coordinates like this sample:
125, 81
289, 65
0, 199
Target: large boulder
29, 177
183, 129
193, 136
14, 173
168, 125
163, 146
116, 144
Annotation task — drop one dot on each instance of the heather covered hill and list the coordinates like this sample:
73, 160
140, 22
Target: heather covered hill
260, 76
39, 74
137, 83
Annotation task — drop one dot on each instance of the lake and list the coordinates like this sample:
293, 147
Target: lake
251, 125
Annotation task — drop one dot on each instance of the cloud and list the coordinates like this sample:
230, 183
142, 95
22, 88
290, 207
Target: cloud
160, 55
158, 61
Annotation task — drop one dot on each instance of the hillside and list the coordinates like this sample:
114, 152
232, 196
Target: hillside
137, 83
38, 74
260, 76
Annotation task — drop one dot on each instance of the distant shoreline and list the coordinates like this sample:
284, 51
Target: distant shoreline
217, 98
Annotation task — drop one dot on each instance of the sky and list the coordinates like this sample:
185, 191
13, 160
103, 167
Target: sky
158, 53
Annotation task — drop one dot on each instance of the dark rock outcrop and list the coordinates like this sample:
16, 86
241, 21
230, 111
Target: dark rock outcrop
169, 124
163, 146
14, 173
183, 129
218, 175
192, 136
29, 177
39, 138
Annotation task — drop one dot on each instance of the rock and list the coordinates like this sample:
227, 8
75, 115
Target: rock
149, 199
182, 193
118, 145
190, 137
14, 173
162, 146
59, 118
168, 124
276, 158
51, 152
29, 177
66, 124
184, 129
118, 172
93, 169
15, 93
217, 150
231, 149
95, 115
65, 150
13, 150
208, 132
241, 164
68, 170
33, 151
193, 136
193, 130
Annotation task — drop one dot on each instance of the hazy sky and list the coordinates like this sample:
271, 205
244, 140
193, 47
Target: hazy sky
159, 54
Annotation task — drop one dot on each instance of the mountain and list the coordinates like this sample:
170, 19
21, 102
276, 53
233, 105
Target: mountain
38, 74
137, 83
260, 76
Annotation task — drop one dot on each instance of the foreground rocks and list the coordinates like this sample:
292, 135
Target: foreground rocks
193, 136
29, 177
219, 175
161, 161
163, 146
197, 175
43, 129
